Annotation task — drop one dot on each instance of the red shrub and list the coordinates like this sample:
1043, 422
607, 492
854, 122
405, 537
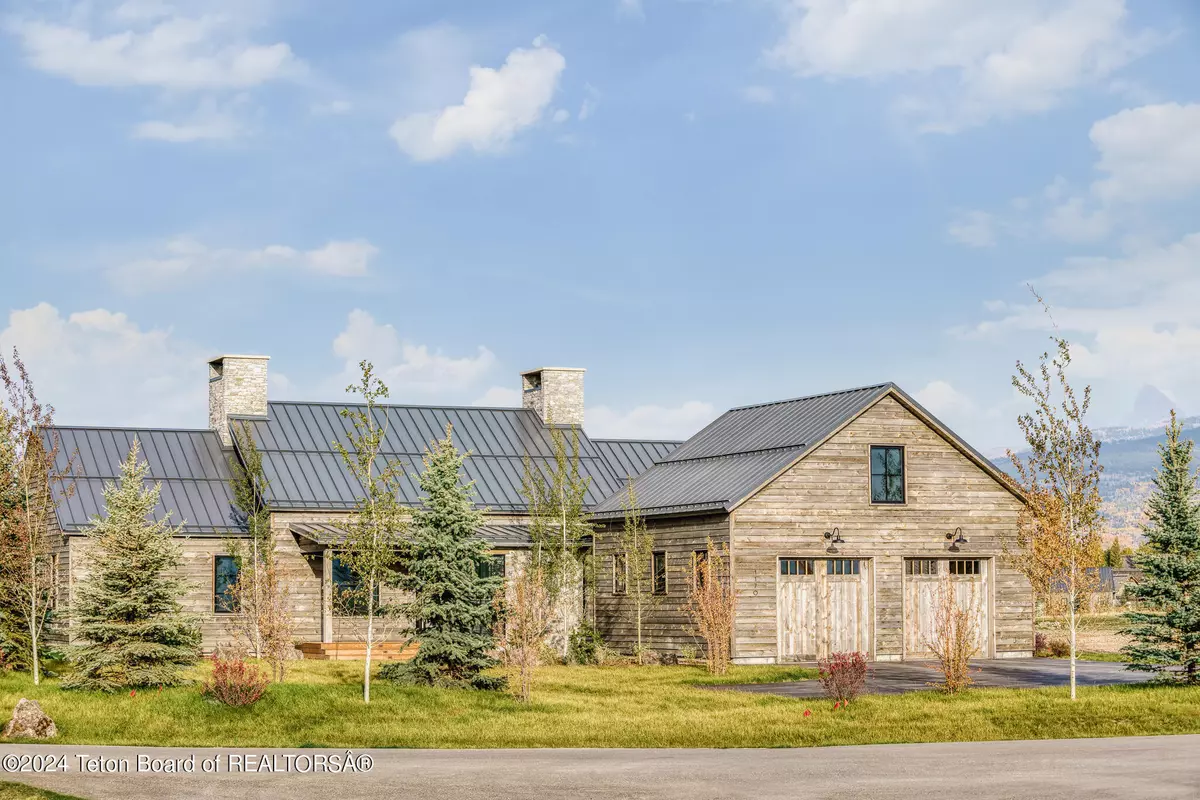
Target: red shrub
234, 682
843, 675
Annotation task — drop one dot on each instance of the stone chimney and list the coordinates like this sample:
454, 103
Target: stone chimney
237, 387
555, 394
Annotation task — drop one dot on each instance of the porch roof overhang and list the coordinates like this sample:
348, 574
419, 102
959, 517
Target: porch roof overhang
324, 535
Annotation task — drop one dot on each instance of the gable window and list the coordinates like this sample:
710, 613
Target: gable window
620, 573
349, 597
796, 566
887, 474
658, 565
490, 566
225, 574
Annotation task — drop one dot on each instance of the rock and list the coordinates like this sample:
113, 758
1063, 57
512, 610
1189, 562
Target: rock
30, 722
669, 659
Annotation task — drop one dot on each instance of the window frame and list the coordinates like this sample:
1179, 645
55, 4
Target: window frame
976, 568
840, 571
805, 567
699, 557
871, 448
928, 567
233, 606
492, 559
654, 588
334, 588
620, 588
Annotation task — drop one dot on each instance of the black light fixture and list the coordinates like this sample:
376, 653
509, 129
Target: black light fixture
834, 537
956, 540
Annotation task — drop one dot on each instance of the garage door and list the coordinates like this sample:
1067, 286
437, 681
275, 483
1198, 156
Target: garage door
965, 578
824, 607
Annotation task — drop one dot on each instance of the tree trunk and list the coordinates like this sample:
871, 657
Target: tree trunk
370, 637
1071, 600
33, 626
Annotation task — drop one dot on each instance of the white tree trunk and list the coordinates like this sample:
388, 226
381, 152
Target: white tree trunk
370, 640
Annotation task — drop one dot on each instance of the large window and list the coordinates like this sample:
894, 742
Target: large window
225, 573
620, 573
887, 474
659, 571
349, 596
491, 566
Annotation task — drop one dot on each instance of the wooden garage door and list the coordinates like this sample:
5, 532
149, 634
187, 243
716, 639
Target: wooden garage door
965, 578
824, 607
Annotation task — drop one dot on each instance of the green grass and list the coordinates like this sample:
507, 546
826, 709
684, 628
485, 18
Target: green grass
321, 705
19, 791
1115, 658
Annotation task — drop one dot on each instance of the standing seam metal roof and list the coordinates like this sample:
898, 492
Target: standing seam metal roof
740, 451
190, 465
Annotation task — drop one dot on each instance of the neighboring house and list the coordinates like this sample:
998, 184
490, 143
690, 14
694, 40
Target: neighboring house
767, 481
842, 513
310, 493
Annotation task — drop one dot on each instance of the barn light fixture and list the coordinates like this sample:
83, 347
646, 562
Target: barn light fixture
834, 537
957, 540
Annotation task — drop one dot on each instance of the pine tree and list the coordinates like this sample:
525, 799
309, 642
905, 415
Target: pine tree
127, 610
1166, 631
452, 607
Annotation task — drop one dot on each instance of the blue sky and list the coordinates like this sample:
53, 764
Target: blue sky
706, 204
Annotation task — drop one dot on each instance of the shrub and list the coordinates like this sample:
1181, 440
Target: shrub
1041, 645
585, 645
235, 682
712, 604
1059, 648
843, 675
955, 641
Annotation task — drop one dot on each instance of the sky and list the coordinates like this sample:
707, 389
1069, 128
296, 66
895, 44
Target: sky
705, 204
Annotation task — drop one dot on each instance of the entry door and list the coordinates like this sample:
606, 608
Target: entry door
966, 579
824, 607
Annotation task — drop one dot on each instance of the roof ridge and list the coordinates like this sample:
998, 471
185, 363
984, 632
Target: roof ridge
780, 448
146, 429
646, 441
876, 386
396, 405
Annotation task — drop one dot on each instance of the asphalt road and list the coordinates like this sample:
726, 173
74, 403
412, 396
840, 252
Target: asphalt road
1087, 769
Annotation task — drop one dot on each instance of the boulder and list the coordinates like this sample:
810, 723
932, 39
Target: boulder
30, 722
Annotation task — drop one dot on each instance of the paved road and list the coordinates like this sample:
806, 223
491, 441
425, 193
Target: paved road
1166, 767
896, 677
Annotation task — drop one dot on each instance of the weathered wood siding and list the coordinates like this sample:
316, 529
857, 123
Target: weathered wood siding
666, 626
831, 487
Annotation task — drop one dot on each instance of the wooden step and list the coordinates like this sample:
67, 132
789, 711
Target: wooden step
357, 651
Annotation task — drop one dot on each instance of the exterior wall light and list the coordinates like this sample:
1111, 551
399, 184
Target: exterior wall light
834, 537
956, 540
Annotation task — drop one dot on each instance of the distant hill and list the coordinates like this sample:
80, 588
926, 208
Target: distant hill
1130, 457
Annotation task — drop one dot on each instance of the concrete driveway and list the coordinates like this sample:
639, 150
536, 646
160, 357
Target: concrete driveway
897, 677
1161, 767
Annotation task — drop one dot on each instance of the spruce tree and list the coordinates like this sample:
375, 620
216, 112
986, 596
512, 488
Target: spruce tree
452, 607
1166, 630
127, 609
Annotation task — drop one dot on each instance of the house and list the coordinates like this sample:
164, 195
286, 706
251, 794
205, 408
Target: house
842, 512
309, 492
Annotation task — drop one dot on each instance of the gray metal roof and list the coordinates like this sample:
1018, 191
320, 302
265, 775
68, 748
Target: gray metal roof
327, 534
629, 458
305, 472
189, 464
740, 451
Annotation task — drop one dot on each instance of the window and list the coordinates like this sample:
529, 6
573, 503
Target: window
887, 474
921, 566
658, 566
841, 566
349, 599
699, 567
965, 566
52, 597
620, 573
796, 566
225, 573
491, 566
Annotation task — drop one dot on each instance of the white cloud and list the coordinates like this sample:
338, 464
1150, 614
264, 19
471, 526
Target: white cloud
561, 115
650, 421
968, 60
974, 228
499, 397
99, 367
1071, 221
498, 105
184, 258
1149, 153
1132, 320
762, 95
208, 123
405, 367
165, 50
943, 400
630, 9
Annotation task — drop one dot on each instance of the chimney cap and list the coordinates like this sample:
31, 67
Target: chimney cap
553, 369
238, 355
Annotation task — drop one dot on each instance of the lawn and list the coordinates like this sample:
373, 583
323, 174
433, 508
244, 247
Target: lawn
619, 706
19, 791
